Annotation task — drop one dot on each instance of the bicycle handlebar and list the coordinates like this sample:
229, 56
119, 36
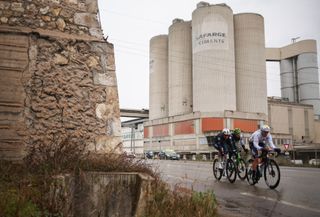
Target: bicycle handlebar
276, 151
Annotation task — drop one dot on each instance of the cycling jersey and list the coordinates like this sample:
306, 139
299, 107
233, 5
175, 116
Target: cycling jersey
238, 141
222, 142
257, 139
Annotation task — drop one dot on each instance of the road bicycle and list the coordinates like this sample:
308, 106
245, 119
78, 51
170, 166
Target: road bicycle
224, 165
268, 168
240, 165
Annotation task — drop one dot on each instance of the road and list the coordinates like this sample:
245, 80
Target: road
297, 195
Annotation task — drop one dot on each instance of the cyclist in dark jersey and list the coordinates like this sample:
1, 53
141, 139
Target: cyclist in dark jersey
223, 142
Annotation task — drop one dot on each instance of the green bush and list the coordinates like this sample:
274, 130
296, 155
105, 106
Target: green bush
13, 204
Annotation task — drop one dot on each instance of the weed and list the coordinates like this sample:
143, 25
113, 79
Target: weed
27, 189
180, 202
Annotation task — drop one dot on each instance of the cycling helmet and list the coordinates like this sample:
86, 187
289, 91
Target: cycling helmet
237, 131
265, 128
226, 131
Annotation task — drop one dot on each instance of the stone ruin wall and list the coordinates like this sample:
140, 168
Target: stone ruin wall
76, 17
57, 76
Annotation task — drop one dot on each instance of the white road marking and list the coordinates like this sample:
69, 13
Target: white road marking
282, 201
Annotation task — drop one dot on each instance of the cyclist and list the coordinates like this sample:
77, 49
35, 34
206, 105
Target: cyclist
223, 142
237, 139
260, 140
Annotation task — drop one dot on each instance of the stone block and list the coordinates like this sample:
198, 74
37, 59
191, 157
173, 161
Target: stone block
112, 194
104, 79
56, 11
107, 144
4, 5
93, 62
46, 18
115, 125
57, 2
44, 10
96, 32
71, 1
92, 6
15, 6
61, 25
60, 60
86, 19
4, 20
66, 13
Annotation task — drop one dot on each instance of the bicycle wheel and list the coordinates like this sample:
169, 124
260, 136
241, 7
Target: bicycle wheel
242, 169
217, 171
231, 170
250, 178
272, 174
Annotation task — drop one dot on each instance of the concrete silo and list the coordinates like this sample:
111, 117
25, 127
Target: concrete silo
158, 75
308, 80
250, 63
180, 68
213, 60
287, 78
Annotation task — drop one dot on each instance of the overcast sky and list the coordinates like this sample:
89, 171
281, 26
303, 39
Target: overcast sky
129, 25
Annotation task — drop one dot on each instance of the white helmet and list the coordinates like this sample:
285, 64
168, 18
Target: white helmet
226, 131
265, 128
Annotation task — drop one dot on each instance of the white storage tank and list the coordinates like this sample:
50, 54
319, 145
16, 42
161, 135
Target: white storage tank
180, 68
287, 79
214, 88
250, 63
158, 75
308, 80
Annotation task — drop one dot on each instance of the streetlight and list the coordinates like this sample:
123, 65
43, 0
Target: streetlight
294, 39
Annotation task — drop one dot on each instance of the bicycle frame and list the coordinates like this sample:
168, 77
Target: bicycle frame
240, 164
229, 168
270, 168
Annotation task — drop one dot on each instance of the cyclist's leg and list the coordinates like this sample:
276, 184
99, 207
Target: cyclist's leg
224, 149
220, 153
255, 156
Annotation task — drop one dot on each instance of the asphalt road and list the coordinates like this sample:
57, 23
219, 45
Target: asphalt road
298, 193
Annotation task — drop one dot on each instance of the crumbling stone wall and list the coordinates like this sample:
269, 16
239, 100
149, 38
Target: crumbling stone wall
55, 81
77, 17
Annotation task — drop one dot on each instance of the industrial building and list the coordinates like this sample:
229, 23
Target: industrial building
210, 73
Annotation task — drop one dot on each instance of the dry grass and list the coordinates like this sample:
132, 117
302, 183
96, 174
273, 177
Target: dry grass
25, 188
180, 202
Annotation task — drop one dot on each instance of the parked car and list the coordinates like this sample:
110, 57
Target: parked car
315, 162
149, 154
169, 154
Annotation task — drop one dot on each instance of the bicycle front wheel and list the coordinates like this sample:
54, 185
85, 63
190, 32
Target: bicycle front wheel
217, 169
231, 170
251, 180
242, 169
272, 174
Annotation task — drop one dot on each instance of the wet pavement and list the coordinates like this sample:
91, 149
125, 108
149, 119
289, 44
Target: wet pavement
298, 193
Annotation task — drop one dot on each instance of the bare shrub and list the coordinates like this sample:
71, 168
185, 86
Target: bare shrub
28, 189
180, 202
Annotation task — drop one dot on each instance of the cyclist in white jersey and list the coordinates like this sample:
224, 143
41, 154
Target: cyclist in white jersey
260, 140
